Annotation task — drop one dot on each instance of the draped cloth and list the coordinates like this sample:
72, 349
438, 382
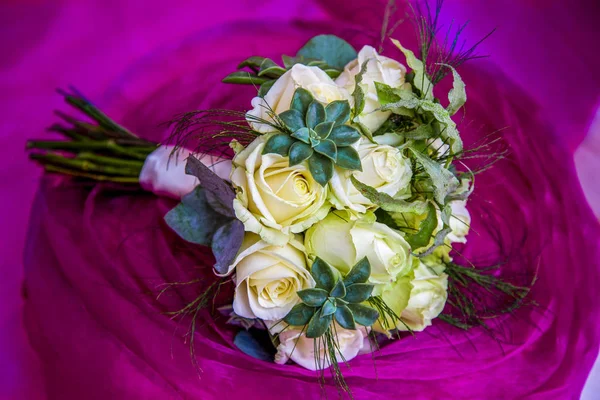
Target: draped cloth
95, 259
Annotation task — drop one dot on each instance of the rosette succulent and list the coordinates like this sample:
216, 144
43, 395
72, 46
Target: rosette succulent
317, 133
334, 298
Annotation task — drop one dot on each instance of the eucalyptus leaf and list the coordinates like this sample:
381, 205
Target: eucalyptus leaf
363, 315
226, 243
300, 152
313, 297
315, 114
321, 168
293, 119
318, 325
209, 180
344, 135
323, 275
339, 290
338, 112
331, 49
327, 148
426, 228
444, 182
457, 95
421, 80
255, 343
193, 219
301, 100
217, 204
348, 158
387, 202
358, 292
245, 78
344, 317
299, 315
279, 144
359, 273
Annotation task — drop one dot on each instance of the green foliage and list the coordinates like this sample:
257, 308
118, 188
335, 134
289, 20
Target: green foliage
426, 228
444, 182
421, 80
255, 343
387, 202
327, 52
318, 134
457, 95
334, 298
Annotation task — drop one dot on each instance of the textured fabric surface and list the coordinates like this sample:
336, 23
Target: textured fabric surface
93, 261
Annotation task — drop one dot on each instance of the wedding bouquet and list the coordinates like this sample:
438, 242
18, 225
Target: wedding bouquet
334, 205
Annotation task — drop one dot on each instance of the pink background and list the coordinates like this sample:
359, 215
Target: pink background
547, 47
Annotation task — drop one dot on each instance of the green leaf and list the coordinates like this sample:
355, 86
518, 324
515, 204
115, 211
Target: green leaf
299, 315
226, 243
340, 302
333, 73
193, 219
292, 119
358, 94
255, 343
444, 182
289, 62
315, 114
323, 129
328, 308
338, 112
279, 144
339, 290
323, 275
364, 129
426, 228
313, 297
419, 133
318, 326
334, 51
437, 241
457, 95
365, 316
359, 273
301, 100
269, 68
344, 135
264, 88
252, 62
348, 158
386, 94
303, 135
421, 80
245, 78
387, 202
321, 168
344, 317
358, 292
300, 152
327, 148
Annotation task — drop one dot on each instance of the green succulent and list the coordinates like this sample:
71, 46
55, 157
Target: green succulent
318, 134
334, 298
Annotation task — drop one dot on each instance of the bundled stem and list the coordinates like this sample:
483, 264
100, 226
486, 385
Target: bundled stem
100, 151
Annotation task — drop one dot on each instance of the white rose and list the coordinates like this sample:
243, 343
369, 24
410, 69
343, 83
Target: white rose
275, 199
279, 97
427, 298
342, 242
379, 69
384, 168
267, 278
296, 346
460, 221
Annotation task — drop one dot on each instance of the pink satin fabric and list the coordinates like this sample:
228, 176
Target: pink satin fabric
95, 261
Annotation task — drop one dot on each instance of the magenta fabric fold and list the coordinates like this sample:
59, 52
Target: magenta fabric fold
95, 260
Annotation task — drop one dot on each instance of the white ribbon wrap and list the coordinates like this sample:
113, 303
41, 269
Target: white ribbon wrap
164, 174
